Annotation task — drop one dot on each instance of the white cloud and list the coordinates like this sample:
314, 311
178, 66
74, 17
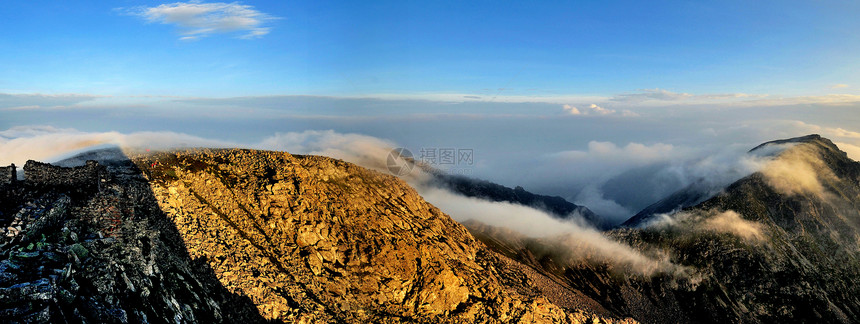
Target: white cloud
600, 110
595, 110
573, 242
637, 152
798, 170
729, 222
46, 143
581, 172
367, 151
610, 210
828, 132
197, 19
571, 110
842, 132
853, 151
30, 131
839, 86
592, 177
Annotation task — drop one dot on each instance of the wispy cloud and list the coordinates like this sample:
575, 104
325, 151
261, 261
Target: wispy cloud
656, 97
571, 110
839, 86
799, 170
652, 94
728, 221
197, 19
830, 132
632, 151
663, 95
571, 243
595, 110
48, 143
30, 101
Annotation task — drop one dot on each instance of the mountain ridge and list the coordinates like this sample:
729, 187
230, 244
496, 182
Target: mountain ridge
296, 238
253, 236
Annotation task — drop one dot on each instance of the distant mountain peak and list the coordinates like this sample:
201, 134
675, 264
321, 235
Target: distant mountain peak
800, 139
792, 157
813, 139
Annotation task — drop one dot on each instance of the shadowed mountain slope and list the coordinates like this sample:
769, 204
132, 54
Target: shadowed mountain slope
90, 244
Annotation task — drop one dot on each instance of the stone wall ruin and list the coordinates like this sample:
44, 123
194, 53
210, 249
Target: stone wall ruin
8, 174
85, 178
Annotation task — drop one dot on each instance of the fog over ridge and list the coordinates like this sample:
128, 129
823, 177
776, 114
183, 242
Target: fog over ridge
578, 241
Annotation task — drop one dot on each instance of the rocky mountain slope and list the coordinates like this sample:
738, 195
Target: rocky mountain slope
700, 191
778, 246
250, 236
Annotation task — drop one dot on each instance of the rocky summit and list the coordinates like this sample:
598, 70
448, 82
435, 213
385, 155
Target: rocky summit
250, 236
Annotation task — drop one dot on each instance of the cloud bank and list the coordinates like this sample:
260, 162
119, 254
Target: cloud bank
576, 243
46, 143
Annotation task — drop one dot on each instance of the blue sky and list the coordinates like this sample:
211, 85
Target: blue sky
788, 48
559, 97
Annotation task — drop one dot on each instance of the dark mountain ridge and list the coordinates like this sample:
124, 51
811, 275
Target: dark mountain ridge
779, 246
483, 189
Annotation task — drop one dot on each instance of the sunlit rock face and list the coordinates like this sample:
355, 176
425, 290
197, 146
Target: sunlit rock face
315, 239
249, 236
